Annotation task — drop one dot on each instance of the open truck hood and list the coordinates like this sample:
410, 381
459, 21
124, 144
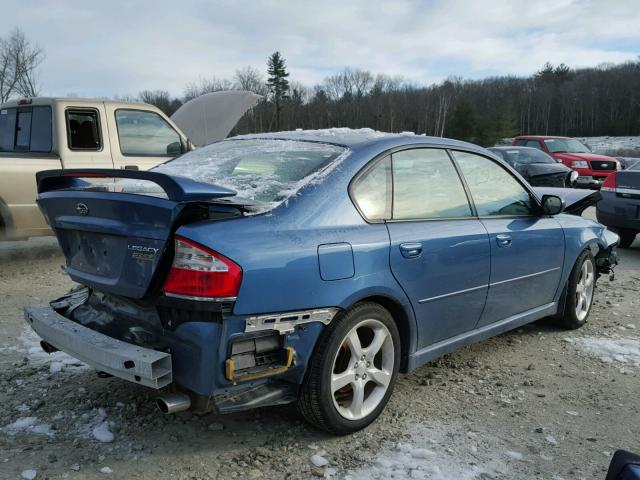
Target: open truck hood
210, 117
115, 240
575, 200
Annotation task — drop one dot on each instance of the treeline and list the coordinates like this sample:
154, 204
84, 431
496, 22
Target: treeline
557, 100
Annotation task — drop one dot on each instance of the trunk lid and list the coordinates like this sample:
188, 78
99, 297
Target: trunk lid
114, 235
628, 181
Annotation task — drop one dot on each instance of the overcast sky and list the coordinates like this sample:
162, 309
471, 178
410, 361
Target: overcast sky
119, 47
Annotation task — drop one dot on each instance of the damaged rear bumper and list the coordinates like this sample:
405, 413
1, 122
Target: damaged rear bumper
140, 365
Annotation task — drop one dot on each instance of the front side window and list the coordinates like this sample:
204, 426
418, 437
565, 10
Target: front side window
146, 134
426, 186
26, 129
83, 130
494, 190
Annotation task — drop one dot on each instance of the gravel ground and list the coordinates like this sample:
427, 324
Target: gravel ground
534, 403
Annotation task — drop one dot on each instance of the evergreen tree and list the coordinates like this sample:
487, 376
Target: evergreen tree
277, 82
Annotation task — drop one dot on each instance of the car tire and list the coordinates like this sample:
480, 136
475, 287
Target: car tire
627, 237
342, 392
579, 292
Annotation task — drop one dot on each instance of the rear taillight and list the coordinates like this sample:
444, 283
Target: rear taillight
200, 273
611, 183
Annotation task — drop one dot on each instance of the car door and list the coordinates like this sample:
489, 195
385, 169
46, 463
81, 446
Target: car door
527, 248
439, 251
142, 139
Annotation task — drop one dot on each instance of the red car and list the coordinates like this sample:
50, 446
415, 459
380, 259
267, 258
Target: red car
592, 168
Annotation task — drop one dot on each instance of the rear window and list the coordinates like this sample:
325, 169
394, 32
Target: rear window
25, 129
265, 171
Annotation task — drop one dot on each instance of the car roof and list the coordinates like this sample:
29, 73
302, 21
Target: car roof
76, 101
359, 138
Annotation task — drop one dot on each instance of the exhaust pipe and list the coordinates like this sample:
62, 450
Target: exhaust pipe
173, 402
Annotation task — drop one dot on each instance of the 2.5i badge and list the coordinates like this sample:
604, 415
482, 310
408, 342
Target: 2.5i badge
140, 252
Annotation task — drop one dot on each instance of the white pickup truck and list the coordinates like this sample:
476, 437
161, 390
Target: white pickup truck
48, 133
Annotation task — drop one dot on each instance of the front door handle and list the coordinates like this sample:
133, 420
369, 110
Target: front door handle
411, 250
503, 240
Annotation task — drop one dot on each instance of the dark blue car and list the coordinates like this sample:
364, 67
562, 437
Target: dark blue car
619, 208
308, 267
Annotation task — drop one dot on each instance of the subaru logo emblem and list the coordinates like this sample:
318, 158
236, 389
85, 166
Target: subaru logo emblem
82, 209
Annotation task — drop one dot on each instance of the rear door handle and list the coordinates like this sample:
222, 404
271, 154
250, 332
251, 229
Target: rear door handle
503, 240
411, 250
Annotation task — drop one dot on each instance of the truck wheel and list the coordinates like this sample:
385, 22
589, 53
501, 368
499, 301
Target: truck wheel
579, 295
353, 370
627, 236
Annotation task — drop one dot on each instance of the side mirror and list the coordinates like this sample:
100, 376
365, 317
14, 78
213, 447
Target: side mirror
552, 204
174, 149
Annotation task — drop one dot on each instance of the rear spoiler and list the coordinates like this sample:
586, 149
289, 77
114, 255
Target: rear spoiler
178, 189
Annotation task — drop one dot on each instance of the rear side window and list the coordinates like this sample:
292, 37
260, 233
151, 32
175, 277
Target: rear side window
416, 184
427, 186
372, 191
25, 129
146, 134
521, 142
83, 129
533, 144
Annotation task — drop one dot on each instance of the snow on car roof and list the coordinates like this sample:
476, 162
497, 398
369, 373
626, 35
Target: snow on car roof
340, 136
357, 138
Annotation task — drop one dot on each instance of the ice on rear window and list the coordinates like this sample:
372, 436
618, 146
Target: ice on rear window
264, 171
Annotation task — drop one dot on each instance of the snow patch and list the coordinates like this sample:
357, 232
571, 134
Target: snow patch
615, 349
102, 433
96, 425
425, 456
28, 425
29, 474
57, 361
319, 461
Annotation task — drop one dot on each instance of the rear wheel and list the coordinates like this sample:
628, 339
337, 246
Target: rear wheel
353, 370
580, 290
627, 236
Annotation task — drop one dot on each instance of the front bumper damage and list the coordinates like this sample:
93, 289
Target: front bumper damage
607, 257
130, 362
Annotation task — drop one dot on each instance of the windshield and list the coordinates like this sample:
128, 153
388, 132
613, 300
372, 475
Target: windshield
263, 170
565, 145
527, 156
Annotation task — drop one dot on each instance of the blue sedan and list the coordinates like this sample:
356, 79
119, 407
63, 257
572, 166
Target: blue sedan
308, 267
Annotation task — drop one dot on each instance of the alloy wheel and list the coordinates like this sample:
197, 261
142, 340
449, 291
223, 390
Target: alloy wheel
584, 289
362, 369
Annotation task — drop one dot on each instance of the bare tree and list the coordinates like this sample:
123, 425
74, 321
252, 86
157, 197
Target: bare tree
208, 85
250, 79
19, 61
161, 99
